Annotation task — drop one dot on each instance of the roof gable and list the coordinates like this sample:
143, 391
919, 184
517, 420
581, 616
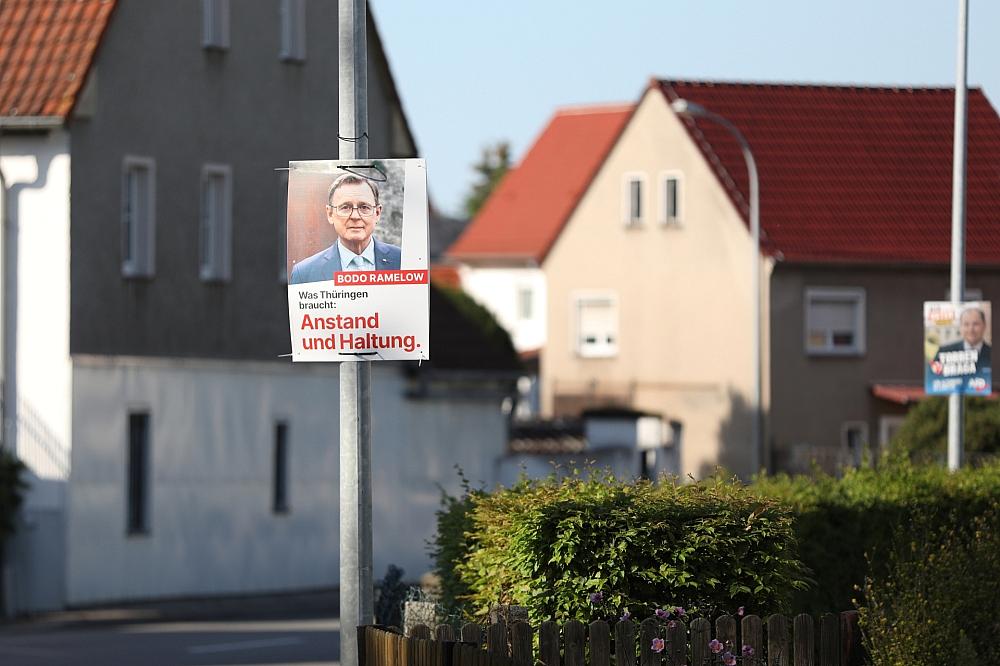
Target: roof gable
46, 48
526, 212
853, 174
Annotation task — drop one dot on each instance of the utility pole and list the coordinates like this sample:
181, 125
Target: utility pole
956, 406
356, 592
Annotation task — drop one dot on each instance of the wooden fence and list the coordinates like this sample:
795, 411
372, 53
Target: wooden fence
750, 640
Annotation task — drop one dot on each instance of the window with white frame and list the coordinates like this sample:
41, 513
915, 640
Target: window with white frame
216, 222
215, 24
633, 199
835, 321
138, 217
283, 227
525, 306
596, 318
293, 30
670, 198
854, 439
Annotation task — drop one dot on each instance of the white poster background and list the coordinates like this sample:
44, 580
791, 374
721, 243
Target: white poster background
395, 318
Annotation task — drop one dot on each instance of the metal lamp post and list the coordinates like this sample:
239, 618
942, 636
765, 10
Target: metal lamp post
688, 109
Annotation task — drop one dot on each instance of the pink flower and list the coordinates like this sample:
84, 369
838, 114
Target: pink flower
739, 611
747, 651
679, 611
626, 615
672, 624
662, 614
658, 645
715, 646
729, 659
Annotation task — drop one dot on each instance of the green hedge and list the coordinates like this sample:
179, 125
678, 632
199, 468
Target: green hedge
596, 548
840, 521
11, 489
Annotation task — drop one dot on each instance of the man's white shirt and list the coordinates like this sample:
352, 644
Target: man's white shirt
350, 261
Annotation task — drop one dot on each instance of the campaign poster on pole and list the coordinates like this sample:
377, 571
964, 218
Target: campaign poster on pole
357, 260
957, 348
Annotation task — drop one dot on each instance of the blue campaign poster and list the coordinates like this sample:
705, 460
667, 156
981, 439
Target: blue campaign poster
957, 348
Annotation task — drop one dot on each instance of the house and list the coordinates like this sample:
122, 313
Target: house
173, 451
646, 271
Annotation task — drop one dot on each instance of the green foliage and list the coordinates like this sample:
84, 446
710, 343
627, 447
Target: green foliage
549, 545
452, 542
839, 521
491, 167
937, 600
923, 436
11, 492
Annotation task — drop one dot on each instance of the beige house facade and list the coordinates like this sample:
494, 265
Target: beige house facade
654, 312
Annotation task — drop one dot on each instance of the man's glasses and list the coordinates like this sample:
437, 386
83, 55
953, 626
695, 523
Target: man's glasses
345, 209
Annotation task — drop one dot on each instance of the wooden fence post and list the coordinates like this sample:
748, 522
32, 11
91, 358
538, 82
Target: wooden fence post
471, 633
852, 652
521, 639
496, 638
648, 630
725, 632
574, 640
701, 634
548, 643
600, 643
676, 643
625, 643
778, 644
829, 640
753, 635
805, 641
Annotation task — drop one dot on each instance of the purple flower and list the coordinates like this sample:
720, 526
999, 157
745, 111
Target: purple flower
729, 659
626, 615
672, 624
658, 645
715, 646
739, 611
679, 611
596, 598
662, 614
747, 651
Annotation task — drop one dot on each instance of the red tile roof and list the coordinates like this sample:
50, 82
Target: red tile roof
856, 174
523, 217
46, 47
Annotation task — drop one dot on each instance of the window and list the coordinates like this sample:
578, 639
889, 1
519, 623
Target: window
138, 217
293, 30
524, 303
215, 24
854, 436
596, 326
216, 222
283, 226
670, 192
633, 206
279, 486
835, 321
137, 469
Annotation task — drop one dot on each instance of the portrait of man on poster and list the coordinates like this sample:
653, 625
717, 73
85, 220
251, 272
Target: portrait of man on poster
354, 209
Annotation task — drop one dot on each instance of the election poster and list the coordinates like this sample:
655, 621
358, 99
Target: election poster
357, 260
957, 348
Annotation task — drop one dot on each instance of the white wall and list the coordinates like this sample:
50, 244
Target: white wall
497, 289
36, 169
211, 526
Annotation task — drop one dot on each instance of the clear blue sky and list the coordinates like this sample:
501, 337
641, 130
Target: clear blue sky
472, 72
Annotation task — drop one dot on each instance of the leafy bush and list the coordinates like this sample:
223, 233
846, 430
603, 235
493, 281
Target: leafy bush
937, 601
839, 521
594, 548
923, 436
451, 543
11, 489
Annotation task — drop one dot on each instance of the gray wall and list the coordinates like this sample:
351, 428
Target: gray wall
160, 94
812, 396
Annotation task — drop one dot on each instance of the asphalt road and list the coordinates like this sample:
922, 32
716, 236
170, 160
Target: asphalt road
298, 641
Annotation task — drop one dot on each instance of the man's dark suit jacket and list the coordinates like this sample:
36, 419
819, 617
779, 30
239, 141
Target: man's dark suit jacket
984, 354
322, 265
